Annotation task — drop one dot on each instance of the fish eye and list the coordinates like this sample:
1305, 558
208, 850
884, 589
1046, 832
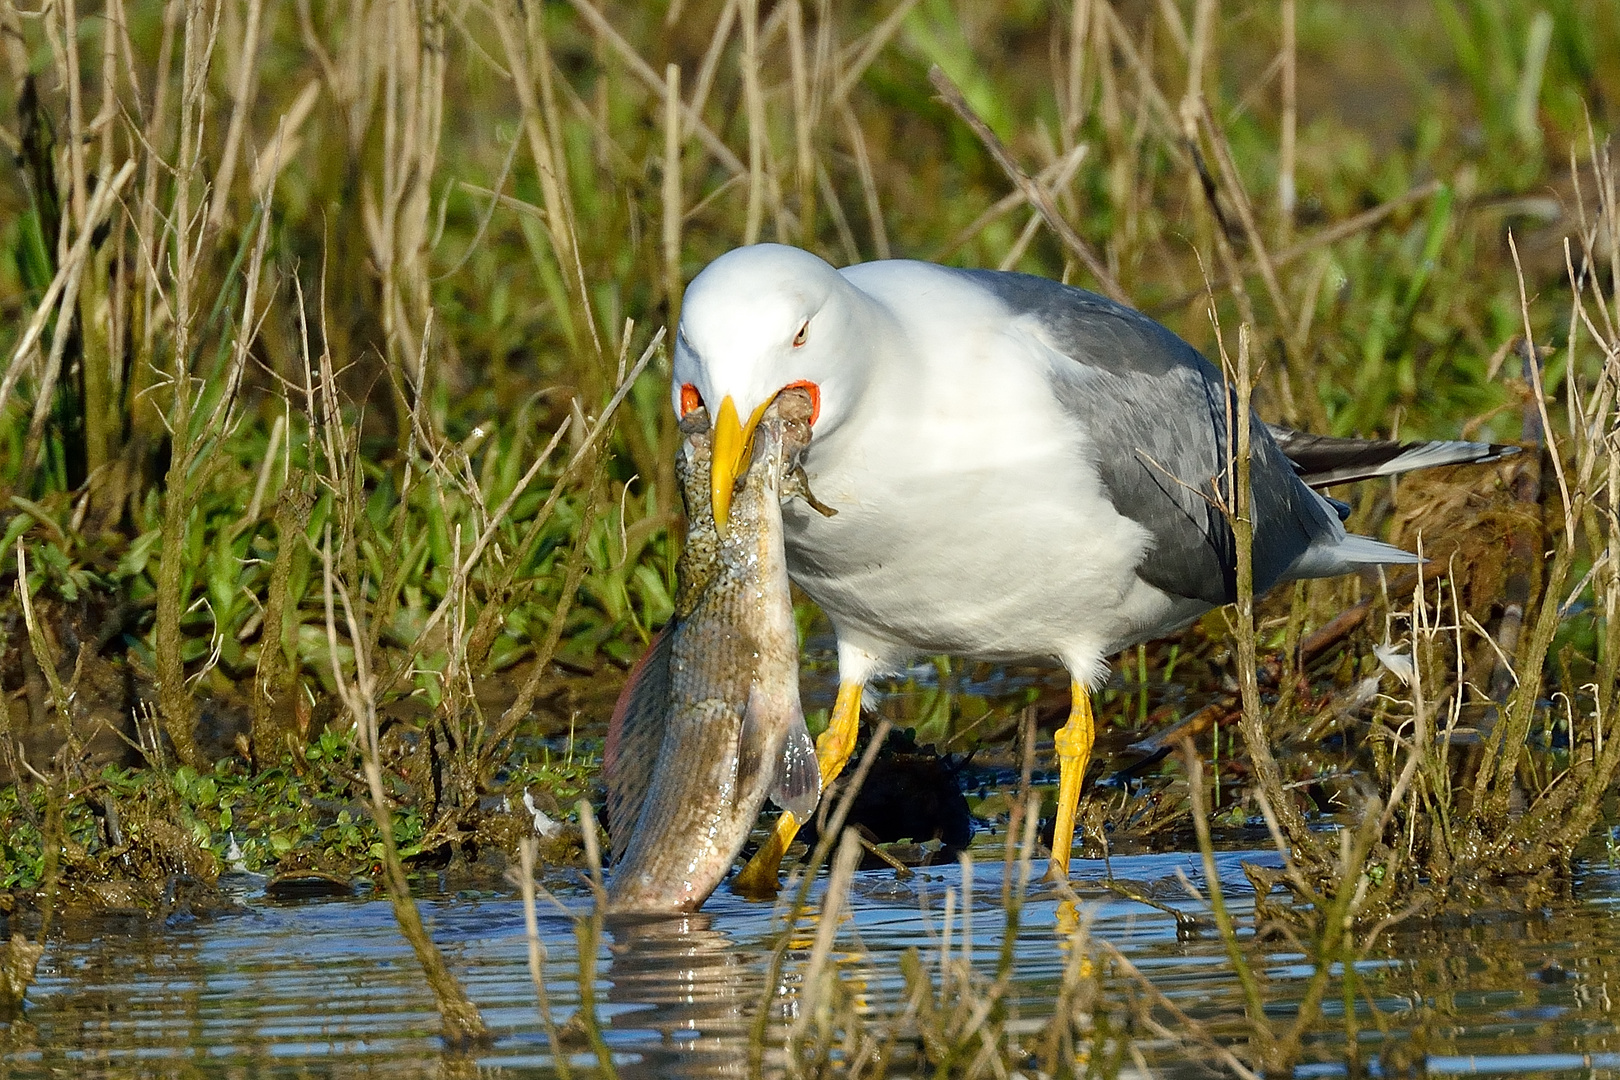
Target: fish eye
690, 398
804, 332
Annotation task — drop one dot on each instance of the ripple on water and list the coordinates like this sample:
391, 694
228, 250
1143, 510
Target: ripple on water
328, 988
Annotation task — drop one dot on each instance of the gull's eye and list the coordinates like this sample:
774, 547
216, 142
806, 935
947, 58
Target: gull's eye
804, 332
690, 398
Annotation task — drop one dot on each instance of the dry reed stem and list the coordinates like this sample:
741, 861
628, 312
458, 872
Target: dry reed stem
43, 657
851, 71
15, 46
263, 178
1336, 909
99, 321
396, 210
65, 42
1187, 1024
709, 68
835, 210
462, 566
1496, 777
1288, 136
829, 828
573, 573
1033, 192
152, 241
1540, 392
463, 1024
1595, 438
1233, 182
754, 112
644, 72
529, 58
587, 932
1326, 237
62, 283
243, 97
221, 419
1055, 176
833, 902
1072, 94
869, 190
1238, 498
672, 198
805, 117
500, 592
1254, 1002
187, 235
1158, 105
527, 853
1421, 742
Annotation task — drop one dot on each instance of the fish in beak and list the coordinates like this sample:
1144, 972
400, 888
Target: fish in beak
733, 449
710, 725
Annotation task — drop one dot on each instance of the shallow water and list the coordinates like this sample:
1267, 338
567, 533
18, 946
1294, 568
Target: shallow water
330, 989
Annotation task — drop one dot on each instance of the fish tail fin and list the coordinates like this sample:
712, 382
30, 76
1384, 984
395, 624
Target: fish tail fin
634, 735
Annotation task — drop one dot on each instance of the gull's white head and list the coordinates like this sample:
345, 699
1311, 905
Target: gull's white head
756, 321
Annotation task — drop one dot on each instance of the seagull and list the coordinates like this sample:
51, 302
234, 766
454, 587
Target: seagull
1010, 468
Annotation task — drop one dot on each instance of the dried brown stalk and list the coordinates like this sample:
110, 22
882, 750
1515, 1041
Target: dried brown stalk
464, 1026
1035, 193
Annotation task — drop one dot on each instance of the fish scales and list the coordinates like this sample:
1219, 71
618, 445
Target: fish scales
639, 718
732, 730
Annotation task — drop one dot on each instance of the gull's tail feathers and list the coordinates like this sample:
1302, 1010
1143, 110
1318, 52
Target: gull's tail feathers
1324, 460
1346, 554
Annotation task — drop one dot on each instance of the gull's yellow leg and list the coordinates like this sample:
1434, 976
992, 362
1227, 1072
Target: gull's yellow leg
759, 879
1074, 740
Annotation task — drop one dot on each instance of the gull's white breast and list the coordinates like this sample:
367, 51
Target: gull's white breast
971, 518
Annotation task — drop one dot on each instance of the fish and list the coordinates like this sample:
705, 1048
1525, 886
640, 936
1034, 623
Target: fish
636, 730
710, 724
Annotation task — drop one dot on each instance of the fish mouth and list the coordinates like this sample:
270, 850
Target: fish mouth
733, 446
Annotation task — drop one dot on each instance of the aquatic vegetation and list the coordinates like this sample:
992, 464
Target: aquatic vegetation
1465, 800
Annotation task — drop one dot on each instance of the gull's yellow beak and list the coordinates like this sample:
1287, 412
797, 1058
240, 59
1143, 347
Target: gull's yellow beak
733, 446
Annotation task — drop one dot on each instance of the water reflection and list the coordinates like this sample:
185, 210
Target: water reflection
691, 987
329, 989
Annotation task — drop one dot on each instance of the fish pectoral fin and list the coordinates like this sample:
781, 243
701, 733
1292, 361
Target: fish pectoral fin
795, 774
753, 743
798, 777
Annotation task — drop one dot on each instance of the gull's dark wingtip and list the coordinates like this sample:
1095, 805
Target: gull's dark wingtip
1325, 460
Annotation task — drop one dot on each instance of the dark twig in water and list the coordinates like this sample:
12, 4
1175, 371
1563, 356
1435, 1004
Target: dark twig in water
1185, 923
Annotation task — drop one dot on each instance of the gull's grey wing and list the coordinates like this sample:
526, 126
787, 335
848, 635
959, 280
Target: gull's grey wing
1157, 411
1324, 460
